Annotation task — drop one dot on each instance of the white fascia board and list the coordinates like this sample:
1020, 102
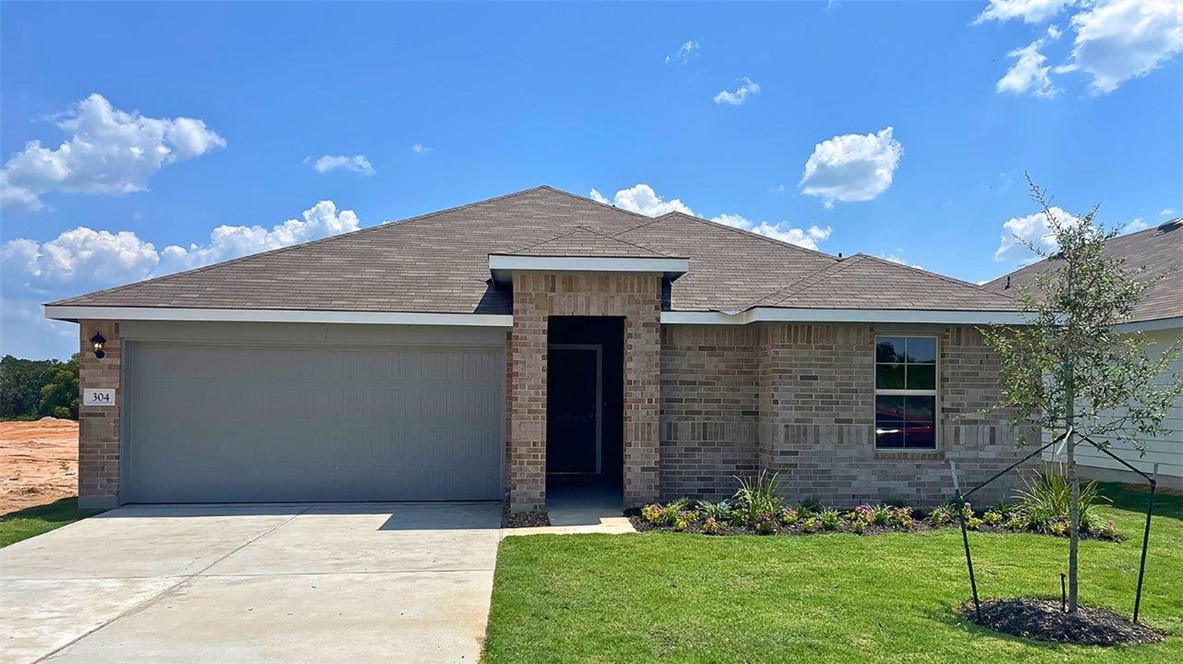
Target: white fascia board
76, 313
769, 315
503, 265
1150, 325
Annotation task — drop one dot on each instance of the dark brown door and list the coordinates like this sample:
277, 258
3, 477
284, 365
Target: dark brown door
573, 410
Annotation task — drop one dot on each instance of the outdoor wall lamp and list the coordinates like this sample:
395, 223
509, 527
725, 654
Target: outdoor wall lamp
97, 342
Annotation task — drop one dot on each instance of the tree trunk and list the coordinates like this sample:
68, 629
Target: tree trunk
1074, 530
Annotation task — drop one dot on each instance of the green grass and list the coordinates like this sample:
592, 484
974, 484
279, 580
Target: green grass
32, 521
820, 598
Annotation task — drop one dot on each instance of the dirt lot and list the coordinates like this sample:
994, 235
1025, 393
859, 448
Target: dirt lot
38, 462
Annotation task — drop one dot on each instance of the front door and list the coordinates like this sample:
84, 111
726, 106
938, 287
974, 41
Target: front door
573, 375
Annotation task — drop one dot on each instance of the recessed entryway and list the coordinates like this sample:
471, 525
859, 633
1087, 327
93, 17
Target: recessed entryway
585, 404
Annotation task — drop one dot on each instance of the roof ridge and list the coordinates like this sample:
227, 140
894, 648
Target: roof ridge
774, 241
623, 241
938, 275
807, 281
560, 236
290, 247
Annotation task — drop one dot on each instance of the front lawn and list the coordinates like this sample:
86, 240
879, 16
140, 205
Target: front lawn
824, 598
32, 521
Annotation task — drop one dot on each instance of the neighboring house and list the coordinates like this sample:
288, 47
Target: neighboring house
491, 350
1158, 252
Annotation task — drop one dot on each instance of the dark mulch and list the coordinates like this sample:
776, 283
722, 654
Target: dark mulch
523, 519
1043, 620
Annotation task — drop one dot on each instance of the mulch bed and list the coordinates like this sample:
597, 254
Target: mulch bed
1043, 620
523, 519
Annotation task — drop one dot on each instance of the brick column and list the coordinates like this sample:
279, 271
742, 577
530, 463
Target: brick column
99, 426
536, 297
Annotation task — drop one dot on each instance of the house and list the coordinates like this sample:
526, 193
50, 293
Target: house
498, 348
1159, 318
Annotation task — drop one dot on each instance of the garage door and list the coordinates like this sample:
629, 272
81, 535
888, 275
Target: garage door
254, 424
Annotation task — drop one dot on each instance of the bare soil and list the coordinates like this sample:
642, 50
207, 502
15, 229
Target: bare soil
38, 462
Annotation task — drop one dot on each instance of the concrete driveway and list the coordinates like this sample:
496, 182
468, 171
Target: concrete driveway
236, 583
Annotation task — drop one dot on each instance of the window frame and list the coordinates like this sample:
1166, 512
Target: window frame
935, 392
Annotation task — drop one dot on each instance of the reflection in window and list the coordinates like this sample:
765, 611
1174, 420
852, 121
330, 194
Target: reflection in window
905, 392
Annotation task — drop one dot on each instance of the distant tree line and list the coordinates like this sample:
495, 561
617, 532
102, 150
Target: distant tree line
32, 389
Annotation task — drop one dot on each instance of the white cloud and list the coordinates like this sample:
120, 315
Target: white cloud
1124, 39
852, 167
782, 231
1032, 229
1030, 11
83, 260
420, 148
1028, 73
1054, 32
1138, 224
740, 96
108, 152
357, 164
685, 52
1166, 212
897, 256
642, 199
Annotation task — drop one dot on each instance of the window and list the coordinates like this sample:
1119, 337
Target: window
905, 392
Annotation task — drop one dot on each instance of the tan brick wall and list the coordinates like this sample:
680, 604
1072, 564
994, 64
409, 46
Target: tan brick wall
99, 427
540, 295
817, 418
709, 409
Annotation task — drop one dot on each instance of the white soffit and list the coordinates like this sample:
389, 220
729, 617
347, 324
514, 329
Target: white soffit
769, 314
76, 313
502, 266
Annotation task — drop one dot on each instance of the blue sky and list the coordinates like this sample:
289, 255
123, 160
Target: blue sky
914, 121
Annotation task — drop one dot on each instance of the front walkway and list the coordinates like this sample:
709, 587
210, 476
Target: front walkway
310, 583
579, 510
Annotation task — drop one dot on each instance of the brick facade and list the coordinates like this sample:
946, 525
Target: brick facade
99, 426
709, 409
536, 297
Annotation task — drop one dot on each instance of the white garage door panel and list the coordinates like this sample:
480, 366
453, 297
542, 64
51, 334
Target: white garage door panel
233, 423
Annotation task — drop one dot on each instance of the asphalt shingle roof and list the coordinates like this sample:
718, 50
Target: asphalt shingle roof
1155, 253
438, 263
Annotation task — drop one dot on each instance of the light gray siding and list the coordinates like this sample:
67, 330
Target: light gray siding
313, 416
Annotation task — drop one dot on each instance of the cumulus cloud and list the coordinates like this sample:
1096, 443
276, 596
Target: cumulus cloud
1166, 212
686, 51
852, 167
107, 151
1120, 40
1032, 229
1030, 11
897, 256
420, 148
1028, 74
357, 163
1138, 224
642, 199
740, 96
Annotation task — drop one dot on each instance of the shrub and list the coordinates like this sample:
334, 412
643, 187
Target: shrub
653, 513
1016, 523
942, 515
710, 526
858, 526
765, 524
899, 517
1047, 497
863, 514
973, 523
992, 517
718, 511
812, 525
1059, 528
758, 496
830, 519
738, 518
683, 520
789, 516
810, 505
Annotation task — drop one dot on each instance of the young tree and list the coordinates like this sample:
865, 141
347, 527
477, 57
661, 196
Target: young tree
1069, 370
